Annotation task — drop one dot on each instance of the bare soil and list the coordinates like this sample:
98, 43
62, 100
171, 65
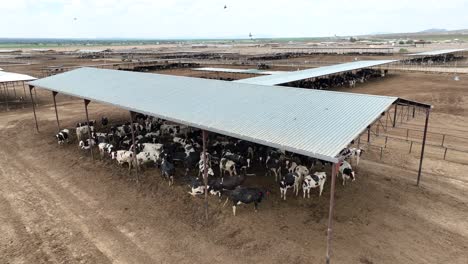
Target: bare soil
58, 206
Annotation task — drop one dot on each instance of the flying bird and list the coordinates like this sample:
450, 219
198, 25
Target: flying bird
225, 6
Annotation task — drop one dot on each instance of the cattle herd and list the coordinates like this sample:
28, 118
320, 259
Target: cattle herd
348, 79
168, 147
439, 59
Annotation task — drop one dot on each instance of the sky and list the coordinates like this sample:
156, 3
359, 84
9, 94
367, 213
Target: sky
166, 19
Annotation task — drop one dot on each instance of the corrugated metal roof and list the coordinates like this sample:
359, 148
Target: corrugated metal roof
436, 52
14, 77
312, 73
246, 71
310, 122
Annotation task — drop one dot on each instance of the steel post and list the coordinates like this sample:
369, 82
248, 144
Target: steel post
134, 148
423, 145
5, 93
86, 102
34, 107
56, 112
368, 134
205, 171
330, 211
395, 116
24, 90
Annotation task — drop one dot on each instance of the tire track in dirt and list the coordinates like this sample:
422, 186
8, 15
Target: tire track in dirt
60, 204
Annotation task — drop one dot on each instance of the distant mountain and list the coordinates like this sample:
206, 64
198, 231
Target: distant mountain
433, 30
433, 33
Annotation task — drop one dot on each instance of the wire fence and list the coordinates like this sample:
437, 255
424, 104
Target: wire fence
380, 145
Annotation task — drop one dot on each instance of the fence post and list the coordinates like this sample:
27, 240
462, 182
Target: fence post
407, 134
443, 140
445, 153
381, 152
411, 147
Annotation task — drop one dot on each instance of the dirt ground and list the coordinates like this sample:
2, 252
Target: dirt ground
57, 206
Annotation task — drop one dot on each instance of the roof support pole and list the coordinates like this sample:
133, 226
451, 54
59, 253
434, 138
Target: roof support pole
86, 103
35, 96
6, 97
34, 107
1, 92
24, 90
56, 112
368, 134
414, 111
423, 146
205, 171
395, 115
5, 93
134, 148
14, 89
330, 211
386, 121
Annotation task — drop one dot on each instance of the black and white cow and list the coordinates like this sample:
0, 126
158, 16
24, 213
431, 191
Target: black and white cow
244, 195
241, 162
273, 165
87, 144
105, 148
228, 166
352, 154
63, 136
313, 181
123, 156
99, 137
286, 182
346, 172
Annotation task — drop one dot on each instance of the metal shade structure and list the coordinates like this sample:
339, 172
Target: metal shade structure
9, 81
313, 123
244, 71
312, 73
437, 52
14, 77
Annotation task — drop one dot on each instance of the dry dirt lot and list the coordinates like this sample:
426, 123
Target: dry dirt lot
57, 206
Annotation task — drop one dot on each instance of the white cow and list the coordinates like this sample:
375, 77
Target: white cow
123, 156
82, 132
152, 147
300, 172
313, 181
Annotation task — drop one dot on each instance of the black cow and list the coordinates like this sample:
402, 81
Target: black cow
104, 121
244, 195
167, 169
218, 185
